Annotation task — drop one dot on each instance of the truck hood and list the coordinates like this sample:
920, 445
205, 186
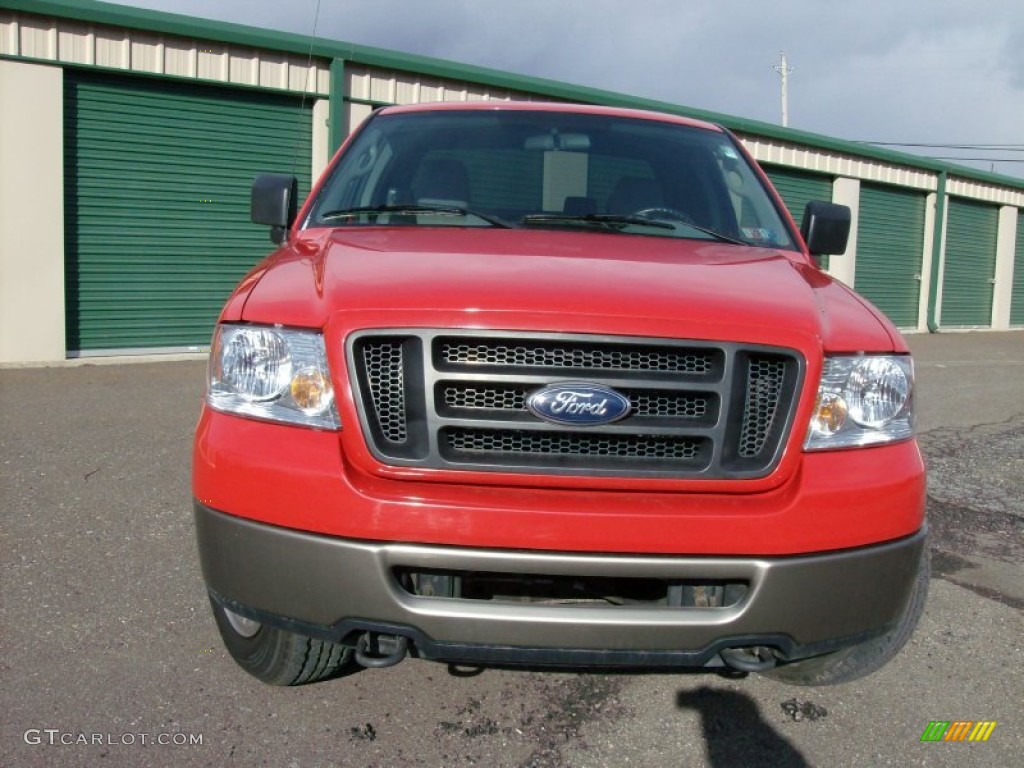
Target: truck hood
577, 282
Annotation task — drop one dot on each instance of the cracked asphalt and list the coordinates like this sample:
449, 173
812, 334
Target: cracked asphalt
109, 647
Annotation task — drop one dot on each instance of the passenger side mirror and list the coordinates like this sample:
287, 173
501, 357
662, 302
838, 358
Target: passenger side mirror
274, 202
826, 228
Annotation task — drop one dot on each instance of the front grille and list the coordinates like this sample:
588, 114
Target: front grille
457, 400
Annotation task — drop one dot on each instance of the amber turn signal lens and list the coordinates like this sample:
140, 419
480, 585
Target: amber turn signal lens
829, 414
311, 390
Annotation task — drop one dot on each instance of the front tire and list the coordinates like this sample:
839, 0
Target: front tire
858, 661
277, 656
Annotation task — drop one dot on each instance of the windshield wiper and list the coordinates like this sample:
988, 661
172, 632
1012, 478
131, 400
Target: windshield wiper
716, 235
413, 209
612, 220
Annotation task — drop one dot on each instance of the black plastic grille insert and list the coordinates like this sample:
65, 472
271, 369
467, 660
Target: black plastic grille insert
457, 400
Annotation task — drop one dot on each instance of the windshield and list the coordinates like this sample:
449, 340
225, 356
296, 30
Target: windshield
550, 170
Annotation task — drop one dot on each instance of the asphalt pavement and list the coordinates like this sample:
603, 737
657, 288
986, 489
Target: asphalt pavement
110, 655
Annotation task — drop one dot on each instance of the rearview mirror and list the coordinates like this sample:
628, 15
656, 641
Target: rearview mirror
558, 142
273, 202
826, 228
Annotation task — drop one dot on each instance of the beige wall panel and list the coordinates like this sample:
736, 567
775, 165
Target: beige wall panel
213, 62
820, 161
273, 71
985, 192
356, 114
76, 44
387, 87
321, 137
358, 84
244, 67
382, 89
927, 255
302, 77
407, 91
147, 53
431, 91
38, 39
180, 58
843, 267
31, 202
9, 34
112, 48
1006, 242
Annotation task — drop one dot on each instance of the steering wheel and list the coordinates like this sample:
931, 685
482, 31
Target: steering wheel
661, 212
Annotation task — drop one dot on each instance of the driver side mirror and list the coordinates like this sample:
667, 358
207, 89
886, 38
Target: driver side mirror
826, 228
274, 202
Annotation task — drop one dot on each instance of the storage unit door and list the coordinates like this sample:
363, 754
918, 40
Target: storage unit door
1017, 297
157, 182
798, 188
970, 265
890, 249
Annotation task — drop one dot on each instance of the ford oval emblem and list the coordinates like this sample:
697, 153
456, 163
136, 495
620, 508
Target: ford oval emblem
578, 404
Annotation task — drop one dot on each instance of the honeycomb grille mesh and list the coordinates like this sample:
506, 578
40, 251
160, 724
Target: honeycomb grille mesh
541, 443
385, 374
765, 378
550, 354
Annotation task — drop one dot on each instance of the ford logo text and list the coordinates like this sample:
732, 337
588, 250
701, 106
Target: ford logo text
578, 404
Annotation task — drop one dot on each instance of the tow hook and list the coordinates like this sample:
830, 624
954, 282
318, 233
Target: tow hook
753, 659
376, 651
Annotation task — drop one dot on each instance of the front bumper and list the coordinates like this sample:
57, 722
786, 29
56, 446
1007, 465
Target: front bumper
336, 588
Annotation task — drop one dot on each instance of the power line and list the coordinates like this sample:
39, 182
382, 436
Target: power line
980, 159
972, 147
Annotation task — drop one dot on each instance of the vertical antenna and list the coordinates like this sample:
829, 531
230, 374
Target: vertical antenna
784, 71
310, 72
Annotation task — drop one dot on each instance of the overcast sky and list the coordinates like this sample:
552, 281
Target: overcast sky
912, 71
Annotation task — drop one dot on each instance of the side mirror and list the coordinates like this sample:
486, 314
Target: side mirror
826, 228
273, 202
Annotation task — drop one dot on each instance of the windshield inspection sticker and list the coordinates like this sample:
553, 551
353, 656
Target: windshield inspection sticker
758, 234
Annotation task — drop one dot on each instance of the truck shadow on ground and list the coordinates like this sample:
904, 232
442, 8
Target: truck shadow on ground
735, 732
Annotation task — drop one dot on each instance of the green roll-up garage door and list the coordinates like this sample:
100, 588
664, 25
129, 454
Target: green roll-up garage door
970, 264
1017, 298
797, 189
157, 180
890, 248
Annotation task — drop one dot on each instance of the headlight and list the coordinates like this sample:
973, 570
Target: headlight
864, 400
271, 373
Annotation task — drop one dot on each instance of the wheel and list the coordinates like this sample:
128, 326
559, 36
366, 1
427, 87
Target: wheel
861, 660
277, 656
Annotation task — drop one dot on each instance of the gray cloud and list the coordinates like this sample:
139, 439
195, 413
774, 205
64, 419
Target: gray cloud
924, 71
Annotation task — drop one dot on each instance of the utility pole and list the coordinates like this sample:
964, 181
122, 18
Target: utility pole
784, 71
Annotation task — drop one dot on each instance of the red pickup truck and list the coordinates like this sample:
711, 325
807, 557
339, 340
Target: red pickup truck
555, 385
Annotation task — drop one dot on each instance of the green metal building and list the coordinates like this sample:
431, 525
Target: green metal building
128, 140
